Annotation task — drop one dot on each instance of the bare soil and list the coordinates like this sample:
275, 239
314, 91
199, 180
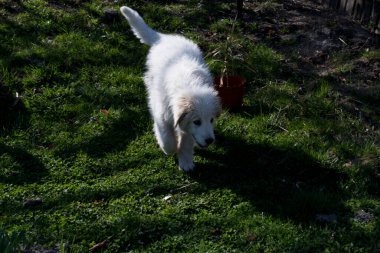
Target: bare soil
321, 43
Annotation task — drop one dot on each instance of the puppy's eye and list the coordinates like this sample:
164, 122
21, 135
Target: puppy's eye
197, 122
212, 120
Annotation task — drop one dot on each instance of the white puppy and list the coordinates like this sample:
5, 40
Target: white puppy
182, 100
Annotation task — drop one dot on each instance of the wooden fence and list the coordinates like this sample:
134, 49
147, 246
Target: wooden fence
365, 11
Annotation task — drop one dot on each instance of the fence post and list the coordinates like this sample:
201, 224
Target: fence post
239, 7
365, 11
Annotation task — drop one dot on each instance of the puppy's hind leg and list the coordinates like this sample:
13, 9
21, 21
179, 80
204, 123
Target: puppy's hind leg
185, 152
165, 137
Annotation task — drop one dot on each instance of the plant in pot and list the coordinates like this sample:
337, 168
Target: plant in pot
227, 60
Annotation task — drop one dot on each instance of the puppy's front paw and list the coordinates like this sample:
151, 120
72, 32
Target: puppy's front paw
186, 165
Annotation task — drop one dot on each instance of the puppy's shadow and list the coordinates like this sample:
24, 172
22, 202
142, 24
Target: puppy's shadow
285, 182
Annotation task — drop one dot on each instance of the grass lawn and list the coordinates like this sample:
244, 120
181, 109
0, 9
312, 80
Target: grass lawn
297, 169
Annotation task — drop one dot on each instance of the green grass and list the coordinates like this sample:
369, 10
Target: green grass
79, 139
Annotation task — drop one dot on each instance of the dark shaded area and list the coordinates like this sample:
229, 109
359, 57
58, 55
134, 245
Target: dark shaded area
239, 8
377, 238
110, 16
23, 167
286, 183
13, 113
12, 6
71, 3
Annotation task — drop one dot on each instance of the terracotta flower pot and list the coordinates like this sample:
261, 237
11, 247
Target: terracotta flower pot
231, 92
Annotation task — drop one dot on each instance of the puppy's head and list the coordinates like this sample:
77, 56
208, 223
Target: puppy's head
195, 114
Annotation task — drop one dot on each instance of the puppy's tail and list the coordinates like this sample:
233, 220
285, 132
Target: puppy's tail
142, 31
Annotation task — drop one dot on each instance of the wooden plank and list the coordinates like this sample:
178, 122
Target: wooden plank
366, 12
358, 9
350, 7
333, 4
375, 13
342, 6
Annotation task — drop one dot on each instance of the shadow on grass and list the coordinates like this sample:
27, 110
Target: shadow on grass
20, 166
116, 136
286, 183
13, 113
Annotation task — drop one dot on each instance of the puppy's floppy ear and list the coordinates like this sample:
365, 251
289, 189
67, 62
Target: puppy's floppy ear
181, 109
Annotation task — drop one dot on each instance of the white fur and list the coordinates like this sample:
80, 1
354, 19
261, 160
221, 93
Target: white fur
180, 91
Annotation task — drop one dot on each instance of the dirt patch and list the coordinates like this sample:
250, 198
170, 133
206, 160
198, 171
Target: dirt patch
320, 43
12, 7
308, 30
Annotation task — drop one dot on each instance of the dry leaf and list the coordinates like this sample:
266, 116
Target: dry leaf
100, 245
216, 231
251, 237
104, 111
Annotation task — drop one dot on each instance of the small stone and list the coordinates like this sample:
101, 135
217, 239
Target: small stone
363, 216
326, 31
167, 197
32, 202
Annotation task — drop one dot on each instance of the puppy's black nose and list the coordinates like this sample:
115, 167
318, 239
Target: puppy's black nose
209, 141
